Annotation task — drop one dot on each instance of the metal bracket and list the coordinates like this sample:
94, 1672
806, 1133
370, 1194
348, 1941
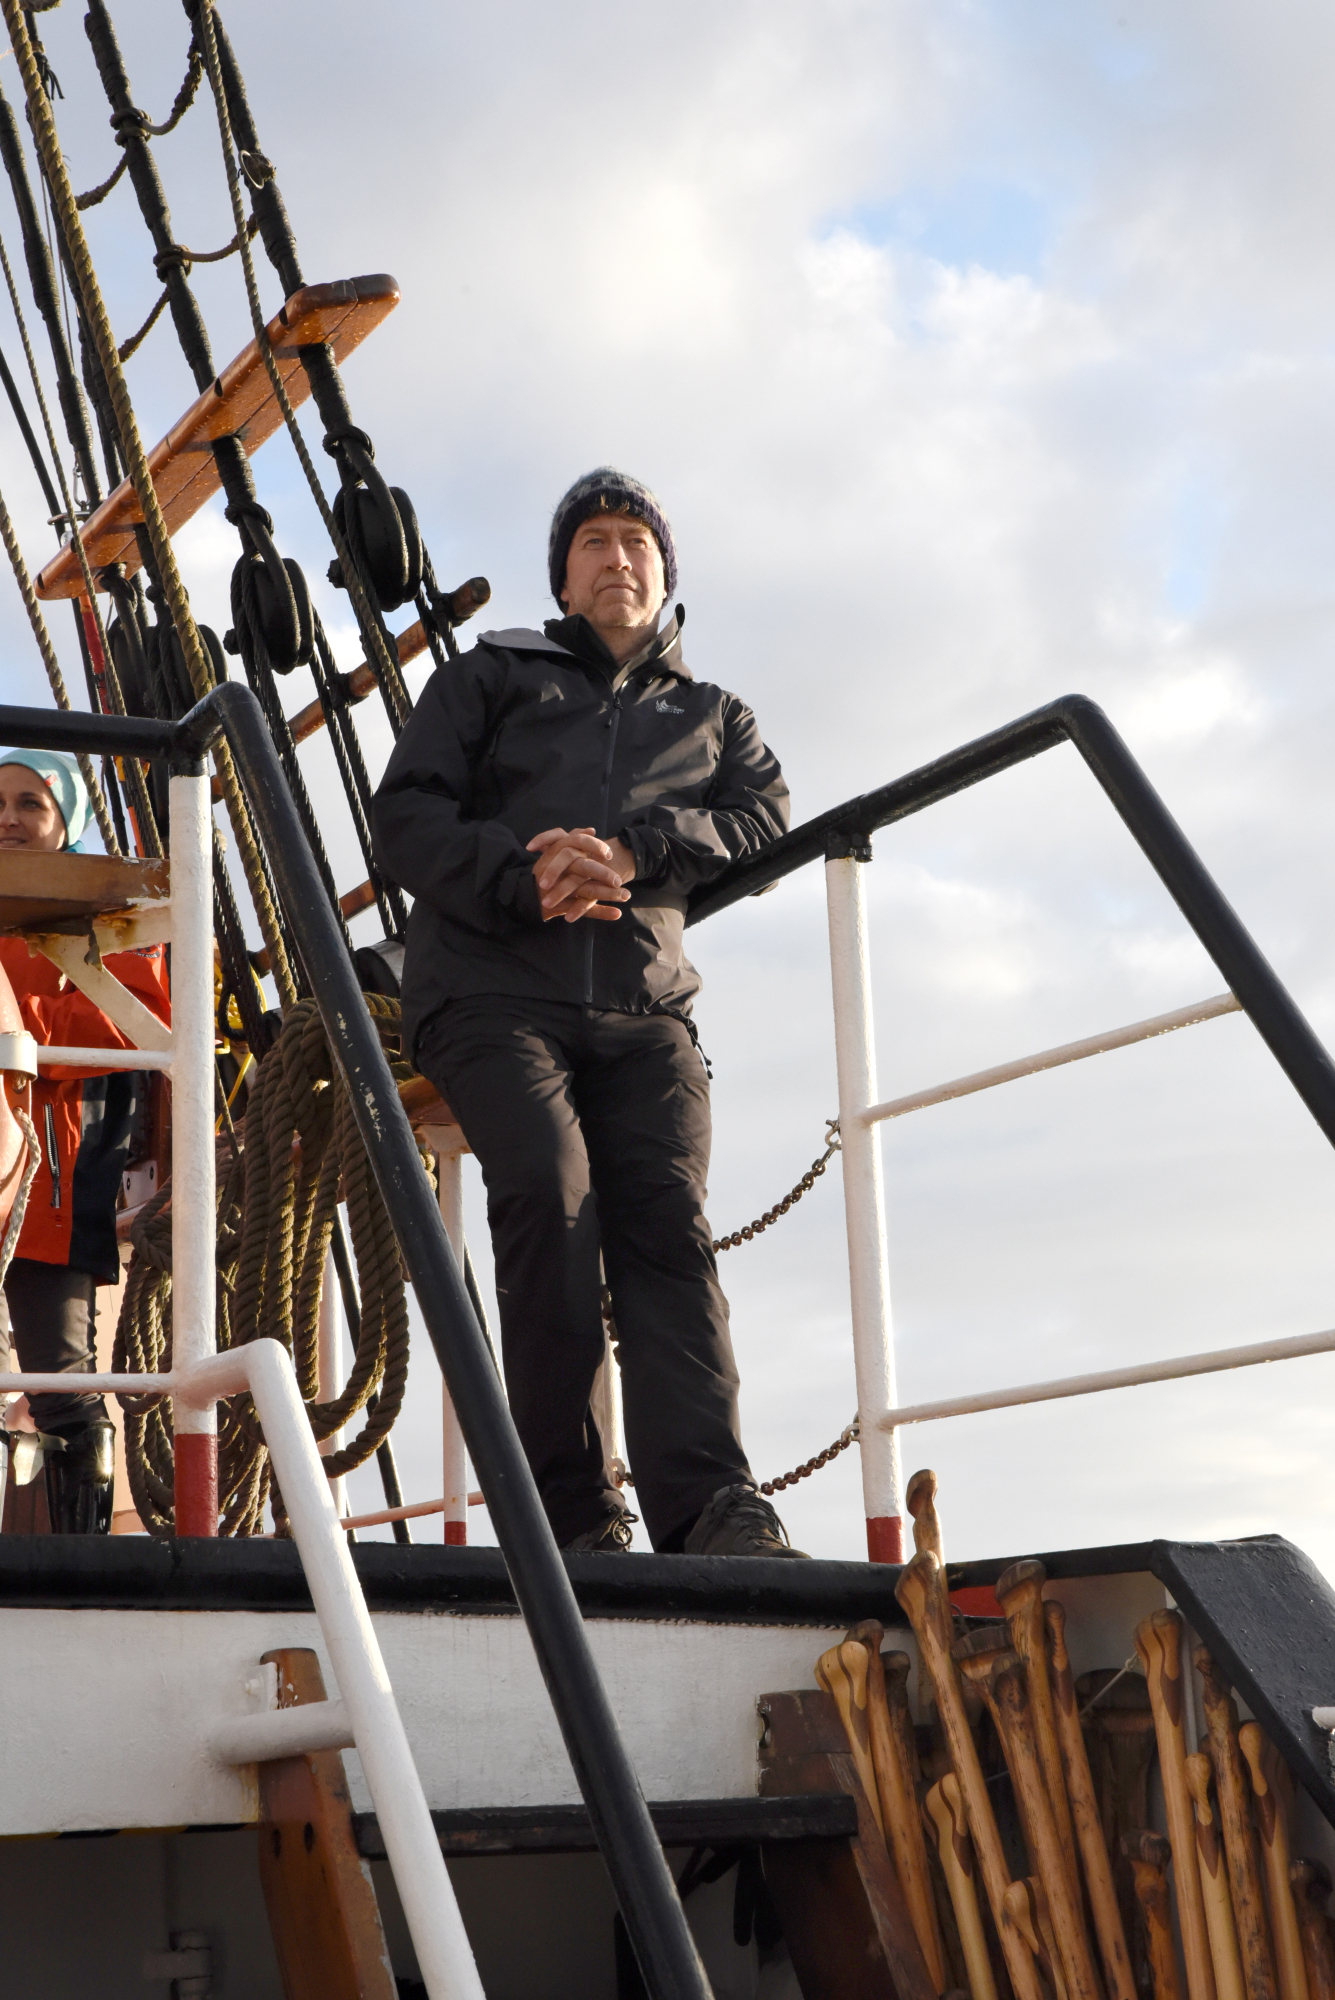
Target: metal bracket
121, 1007
847, 844
18, 1056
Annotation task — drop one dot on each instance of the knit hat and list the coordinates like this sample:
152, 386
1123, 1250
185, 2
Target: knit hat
65, 782
607, 491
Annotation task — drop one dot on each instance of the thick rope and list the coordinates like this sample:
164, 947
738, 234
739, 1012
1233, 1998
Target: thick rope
20, 1208
53, 673
278, 1196
390, 673
198, 665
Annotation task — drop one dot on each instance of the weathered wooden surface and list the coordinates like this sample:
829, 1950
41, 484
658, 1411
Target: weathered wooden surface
241, 403
839, 1901
317, 1888
65, 892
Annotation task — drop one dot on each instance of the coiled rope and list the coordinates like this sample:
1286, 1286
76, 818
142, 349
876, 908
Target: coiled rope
301, 1156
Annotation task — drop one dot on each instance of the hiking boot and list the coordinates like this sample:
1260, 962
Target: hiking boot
739, 1521
79, 1480
611, 1537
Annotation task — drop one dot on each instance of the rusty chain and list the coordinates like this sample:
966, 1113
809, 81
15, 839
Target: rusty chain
791, 1199
846, 1437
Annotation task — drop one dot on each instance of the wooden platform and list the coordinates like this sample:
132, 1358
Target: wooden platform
68, 892
241, 404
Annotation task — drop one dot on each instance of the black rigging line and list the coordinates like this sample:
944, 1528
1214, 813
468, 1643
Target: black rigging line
42, 278
29, 438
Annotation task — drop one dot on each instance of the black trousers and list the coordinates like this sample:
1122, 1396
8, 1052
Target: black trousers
47, 1314
593, 1133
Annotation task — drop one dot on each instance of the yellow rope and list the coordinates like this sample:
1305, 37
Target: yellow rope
198, 664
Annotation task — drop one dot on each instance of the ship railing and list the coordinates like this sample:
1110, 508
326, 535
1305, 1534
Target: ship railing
364, 1715
842, 838
641, 1878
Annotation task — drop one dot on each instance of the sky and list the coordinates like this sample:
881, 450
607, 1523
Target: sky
980, 353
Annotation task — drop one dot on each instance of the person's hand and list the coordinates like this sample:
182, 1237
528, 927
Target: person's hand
579, 875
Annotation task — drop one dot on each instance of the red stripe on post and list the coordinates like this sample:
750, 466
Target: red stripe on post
456, 1534
196, 1483
885, 1538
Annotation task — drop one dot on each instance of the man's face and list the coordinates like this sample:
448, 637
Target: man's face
614, 573
29, 816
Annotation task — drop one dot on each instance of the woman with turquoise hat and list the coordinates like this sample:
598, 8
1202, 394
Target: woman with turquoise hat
86, 1123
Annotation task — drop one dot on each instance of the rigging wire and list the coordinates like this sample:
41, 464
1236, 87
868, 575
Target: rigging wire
149, 837
30, 439
373, 631
198, 666
185, 97
53, 673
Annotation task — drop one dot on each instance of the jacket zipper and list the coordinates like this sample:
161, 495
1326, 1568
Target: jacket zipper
613, 725
53, 1155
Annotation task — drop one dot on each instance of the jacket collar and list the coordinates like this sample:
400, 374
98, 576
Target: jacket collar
575, 638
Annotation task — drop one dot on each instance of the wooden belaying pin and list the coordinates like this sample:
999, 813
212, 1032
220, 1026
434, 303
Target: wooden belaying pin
842, 1672
1233, 1791
1149, 1855
1270, 1791
943, 1810
923, 1600
901, 1820
1214, 1882
1310, 1883
1159, 1644
1108, 1927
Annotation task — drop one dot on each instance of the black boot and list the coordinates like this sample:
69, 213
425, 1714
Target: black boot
79, 1481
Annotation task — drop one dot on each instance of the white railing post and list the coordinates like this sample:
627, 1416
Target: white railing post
329, 1367
453, 1457
864, 1197
194, 1204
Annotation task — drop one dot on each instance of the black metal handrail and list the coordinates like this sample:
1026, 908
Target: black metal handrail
1074, 719
635, 1861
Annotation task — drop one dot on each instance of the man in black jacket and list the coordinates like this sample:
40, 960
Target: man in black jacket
550, 805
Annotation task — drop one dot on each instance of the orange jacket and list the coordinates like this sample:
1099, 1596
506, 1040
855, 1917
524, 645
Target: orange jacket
85, 1119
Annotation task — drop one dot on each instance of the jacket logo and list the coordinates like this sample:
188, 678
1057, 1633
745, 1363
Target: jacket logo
666, 708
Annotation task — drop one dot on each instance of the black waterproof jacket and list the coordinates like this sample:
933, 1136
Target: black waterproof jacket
532, 730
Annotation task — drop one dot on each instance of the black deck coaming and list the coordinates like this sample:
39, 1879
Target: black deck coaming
1261, 1606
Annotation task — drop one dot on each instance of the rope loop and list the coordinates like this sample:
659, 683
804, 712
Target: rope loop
279, 1189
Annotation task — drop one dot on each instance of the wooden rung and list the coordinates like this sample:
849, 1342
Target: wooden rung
241, 404
360, 683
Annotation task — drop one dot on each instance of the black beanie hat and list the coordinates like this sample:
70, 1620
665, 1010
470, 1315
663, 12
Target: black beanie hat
607, 491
